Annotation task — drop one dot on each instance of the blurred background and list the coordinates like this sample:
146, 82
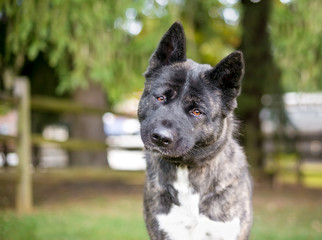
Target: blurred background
71, 75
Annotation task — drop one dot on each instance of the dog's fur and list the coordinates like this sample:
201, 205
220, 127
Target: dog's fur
197, 182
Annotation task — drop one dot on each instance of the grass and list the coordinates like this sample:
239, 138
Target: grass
287, 213
117, 219
94, 213
287, 223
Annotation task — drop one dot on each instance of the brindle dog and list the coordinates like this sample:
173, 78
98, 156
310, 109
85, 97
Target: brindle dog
197, 182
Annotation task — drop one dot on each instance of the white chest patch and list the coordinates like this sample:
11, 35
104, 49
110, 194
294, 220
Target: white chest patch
185, 221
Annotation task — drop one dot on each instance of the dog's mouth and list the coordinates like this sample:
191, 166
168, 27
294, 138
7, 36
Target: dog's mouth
180, 159
164, 152
168, 154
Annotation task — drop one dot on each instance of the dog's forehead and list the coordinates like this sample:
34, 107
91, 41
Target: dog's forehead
185, 72
196, 70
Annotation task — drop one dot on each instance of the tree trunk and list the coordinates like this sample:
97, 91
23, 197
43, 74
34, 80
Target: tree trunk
89, 126
261, 75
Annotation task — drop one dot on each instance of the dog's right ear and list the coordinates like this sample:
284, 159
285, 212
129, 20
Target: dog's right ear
171, 49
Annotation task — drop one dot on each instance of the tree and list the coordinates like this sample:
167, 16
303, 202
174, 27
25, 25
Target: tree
107, 42
261, 75
211, 36
75, 39
78, 39
296, 32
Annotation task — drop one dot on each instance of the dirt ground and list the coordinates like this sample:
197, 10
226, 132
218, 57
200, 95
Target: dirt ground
55, 186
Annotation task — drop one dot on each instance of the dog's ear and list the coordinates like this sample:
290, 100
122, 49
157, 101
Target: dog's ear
171, 49
227, 76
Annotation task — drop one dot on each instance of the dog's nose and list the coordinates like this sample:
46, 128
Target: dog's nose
162, 137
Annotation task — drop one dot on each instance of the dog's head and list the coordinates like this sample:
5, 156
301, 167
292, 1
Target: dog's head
184, 106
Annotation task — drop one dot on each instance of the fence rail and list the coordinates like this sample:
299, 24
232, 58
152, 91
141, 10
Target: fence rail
71, 144
25, 139
50, 104
8, 138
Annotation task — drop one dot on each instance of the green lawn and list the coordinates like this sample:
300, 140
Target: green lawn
287, 214
90, 213
117, 219
287, 223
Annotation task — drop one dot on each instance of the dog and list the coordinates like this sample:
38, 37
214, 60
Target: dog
197, 185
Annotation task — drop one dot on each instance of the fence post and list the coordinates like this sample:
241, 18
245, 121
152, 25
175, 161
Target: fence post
24, 184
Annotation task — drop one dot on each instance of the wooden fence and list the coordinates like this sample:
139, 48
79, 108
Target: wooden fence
25, 139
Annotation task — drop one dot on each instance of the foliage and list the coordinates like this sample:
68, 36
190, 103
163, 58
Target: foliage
210, 35
296, 33
92, 40
78, 38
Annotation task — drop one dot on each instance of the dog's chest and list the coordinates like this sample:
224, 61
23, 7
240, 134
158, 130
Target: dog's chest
184, 221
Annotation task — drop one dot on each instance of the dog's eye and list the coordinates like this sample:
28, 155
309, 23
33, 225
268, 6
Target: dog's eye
161, 99
195, 112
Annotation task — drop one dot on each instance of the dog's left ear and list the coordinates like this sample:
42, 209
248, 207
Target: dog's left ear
171, 49
227, 76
